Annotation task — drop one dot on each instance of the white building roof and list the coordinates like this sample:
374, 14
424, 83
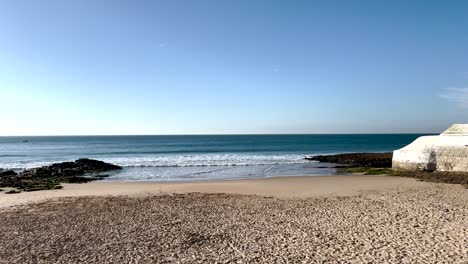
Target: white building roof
456, 129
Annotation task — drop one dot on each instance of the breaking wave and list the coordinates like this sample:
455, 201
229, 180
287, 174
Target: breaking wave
194, 160
208, 160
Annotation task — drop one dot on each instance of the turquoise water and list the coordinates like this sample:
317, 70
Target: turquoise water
189, 158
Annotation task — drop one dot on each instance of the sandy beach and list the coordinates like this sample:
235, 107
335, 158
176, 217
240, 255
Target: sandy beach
282, 187
351, 219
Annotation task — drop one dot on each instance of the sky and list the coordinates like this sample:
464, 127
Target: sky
232, 67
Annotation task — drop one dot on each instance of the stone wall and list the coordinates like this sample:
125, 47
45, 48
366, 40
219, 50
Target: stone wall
410, 166
442, 158
451, 158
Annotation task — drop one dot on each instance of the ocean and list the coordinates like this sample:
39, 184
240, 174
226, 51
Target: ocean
196, 157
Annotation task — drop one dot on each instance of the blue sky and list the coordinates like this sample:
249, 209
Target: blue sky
197, 67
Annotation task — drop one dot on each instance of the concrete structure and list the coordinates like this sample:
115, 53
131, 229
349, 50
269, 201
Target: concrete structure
445, 152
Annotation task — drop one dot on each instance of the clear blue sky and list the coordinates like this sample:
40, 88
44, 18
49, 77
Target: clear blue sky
194, 67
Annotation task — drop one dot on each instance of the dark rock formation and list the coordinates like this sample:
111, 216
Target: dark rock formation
78, 167
378, 160
5, 173
50, 177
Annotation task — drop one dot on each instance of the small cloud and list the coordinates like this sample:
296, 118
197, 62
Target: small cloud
276, 70
459, 96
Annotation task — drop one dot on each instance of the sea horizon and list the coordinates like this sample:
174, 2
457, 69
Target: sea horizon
228, 134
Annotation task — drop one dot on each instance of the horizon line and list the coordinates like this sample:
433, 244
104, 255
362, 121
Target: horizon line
234, 134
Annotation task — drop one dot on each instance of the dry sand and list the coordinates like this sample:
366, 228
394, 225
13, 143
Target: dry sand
374, 220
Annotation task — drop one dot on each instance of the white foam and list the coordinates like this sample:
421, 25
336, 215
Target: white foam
194, 160
205, 160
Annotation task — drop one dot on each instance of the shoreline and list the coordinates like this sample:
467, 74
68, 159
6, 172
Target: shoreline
280, 187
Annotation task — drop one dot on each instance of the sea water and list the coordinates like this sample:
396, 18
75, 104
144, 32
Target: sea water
196, 157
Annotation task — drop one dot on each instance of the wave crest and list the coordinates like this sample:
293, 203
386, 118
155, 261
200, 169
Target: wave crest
194, 160
206, 160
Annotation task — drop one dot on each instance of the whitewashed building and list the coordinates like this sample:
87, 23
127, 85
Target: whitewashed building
445, 152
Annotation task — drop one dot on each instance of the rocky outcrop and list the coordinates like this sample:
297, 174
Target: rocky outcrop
50, 177
7, 173
378, 160
78, 167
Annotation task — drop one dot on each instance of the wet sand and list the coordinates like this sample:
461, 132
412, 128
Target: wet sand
283, 187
